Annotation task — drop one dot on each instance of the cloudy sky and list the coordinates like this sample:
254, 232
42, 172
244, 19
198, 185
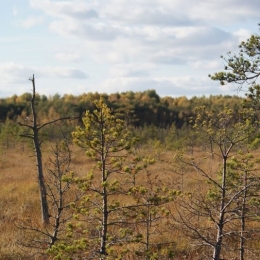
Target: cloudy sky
77, 46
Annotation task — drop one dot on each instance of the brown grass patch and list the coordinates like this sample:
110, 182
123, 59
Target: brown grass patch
19, 195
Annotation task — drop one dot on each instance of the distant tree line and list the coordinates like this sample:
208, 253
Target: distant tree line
147, 106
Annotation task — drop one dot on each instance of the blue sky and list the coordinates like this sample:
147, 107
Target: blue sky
111, 46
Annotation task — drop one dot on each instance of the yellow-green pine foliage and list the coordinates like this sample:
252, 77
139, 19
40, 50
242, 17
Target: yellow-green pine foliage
103, 132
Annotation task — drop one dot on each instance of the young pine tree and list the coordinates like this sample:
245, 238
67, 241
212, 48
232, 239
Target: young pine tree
101, 225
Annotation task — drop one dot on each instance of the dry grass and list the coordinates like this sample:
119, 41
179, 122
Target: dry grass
19, 196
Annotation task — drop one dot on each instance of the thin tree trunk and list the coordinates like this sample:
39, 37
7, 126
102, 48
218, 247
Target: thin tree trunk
42, 188
38, 154
148, 225
218, 245
105, 199
242, 239
243, 221
104, 226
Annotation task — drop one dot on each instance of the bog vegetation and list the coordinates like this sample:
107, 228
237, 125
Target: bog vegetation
133, 175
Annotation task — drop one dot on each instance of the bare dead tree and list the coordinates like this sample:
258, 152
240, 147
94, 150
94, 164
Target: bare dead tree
34, 127
60, 195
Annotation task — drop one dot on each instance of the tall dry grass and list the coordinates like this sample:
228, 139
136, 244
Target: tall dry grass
19, 195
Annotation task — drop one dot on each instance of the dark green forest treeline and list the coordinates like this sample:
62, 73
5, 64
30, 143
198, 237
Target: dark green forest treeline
154, 118
148, 107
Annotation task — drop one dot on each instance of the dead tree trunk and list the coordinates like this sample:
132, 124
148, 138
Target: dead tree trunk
38, 154
34, 135
32, 124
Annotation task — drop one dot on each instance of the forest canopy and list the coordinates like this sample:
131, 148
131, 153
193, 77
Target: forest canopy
147, 106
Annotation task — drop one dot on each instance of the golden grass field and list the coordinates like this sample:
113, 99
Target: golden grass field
19, 195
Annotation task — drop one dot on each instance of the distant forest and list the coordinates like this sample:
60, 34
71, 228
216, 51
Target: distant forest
147, 106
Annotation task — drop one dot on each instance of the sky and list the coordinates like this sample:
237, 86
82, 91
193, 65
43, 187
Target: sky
109, 46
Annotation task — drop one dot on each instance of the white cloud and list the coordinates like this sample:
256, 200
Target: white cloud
185, 12
135, 41
63, 9
62, 72
14, 73
242, 34
207, 65
165, 86
68, 57
132, 70
32, 21
17, 73
15, 10
88, 31
161, 31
